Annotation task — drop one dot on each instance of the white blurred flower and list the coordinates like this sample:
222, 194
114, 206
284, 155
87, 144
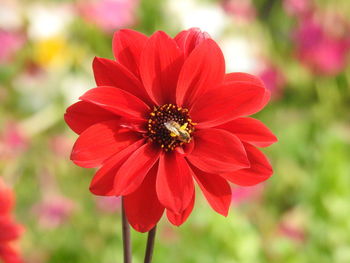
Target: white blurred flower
33, 83
46, 21
240, 54
10, 15
208, 17
74, 85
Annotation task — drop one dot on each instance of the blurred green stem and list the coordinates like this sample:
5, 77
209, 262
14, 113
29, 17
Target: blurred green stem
150, 245
266, 8
126, 236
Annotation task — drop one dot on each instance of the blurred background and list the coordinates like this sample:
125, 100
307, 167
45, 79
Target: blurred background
299, 48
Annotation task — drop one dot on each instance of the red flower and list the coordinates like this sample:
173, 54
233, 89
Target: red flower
9, 229
164, 115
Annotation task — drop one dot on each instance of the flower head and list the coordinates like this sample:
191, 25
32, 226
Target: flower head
273, 79
13, 141
53, 211
323, 51
298, 7
109, 14
163, 116
11, 42
9, 229
242, 10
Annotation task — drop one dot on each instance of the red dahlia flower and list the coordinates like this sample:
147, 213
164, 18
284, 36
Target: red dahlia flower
9, 229
165, 114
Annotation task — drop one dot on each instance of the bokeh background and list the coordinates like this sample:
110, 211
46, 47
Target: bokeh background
299, 48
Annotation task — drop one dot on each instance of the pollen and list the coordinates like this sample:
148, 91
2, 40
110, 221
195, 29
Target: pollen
170, 126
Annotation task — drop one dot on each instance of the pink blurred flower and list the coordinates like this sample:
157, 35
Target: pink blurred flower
292, 232
11, 42
53, 211
109, 15
169, 235
241, 195
243, 10
320, 50
12, 141
273, 79
298, 7
61, 146
292, 225
108, 204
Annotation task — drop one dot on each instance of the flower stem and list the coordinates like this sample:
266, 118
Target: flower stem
150, 245
126, 236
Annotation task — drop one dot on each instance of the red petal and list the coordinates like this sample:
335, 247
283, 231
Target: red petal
101, 141
6, 198
259, 171
216, 190
218, 151
9, 230
203, 70
103, 181
82, 115
226, 103
250, 130
266, 99
127, 47
185, 149
187, 40
134, 125
245, 77
160, 64
133, 171
9, 254
179, 219
111, 73
174, 182
142, 207
117, 101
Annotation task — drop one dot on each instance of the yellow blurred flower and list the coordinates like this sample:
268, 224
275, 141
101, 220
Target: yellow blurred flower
51, 52
56, 52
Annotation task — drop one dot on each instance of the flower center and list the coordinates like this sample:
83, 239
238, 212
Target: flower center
170, 126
